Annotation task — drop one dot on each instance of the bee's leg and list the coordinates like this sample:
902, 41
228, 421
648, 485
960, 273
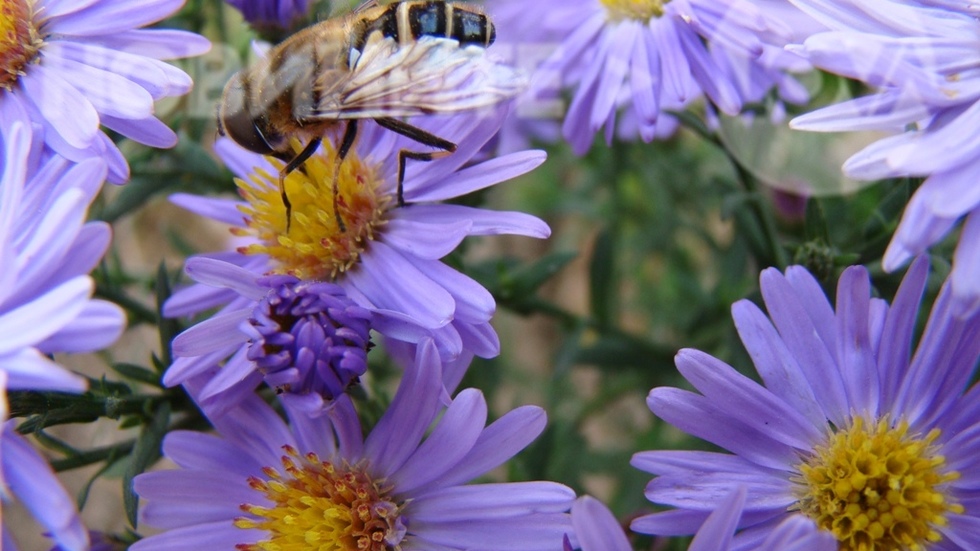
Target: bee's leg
421, 136
350, 134
292, 165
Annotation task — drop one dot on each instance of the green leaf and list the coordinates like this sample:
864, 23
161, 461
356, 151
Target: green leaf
602, 281
137, 373
144, 454
168, 328
515, 285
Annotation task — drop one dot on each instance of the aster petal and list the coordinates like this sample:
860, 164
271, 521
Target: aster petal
451, 440
523, 533
217, 273
479, 338
612, 72
184, 368
215, 332
675, 522
717, 531
98, 325
702, 491
64, 108
222, 210
776, 365
917, 230
58, 8
889, 110
108, 92
198, 298
424, 238
198, 451
745, 400
645, 79
483, 221
857, 364
37, 320
474, 304
255, 427
485, 501
894, 351
392, 282
28, 476
596, 527
962, 530
951, 192
399, 431
104, 18
500, 441
801, 337
147, 131
701, 417
799, 533
28, 369
931, 151
815, 303
703, 69
667, 46
480, 176
212, 535
964, 285
156, 43
180, 498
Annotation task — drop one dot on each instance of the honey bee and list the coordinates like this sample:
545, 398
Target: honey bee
379, 62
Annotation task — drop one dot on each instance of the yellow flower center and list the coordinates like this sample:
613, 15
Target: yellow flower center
318, 506
19, 39
878, 487
641, 10
315, 247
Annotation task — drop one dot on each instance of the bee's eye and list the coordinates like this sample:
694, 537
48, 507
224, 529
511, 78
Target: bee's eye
237, 122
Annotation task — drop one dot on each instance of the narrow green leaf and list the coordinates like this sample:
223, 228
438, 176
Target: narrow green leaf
602, 278
145, 453
137, 373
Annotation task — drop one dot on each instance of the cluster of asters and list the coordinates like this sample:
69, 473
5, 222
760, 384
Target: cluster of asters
860, 436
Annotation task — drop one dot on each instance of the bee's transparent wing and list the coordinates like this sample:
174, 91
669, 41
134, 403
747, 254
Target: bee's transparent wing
431, 75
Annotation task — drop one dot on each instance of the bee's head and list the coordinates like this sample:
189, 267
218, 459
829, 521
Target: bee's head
238, 122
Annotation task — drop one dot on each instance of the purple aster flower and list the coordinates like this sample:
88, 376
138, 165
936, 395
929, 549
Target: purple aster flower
75, 65
596, 529
872, 440
272, 13
386, 257
647, 55
922, 58
47, 251
306, 339
318, 484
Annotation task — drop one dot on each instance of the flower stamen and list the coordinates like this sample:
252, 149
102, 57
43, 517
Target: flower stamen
640, 10
318, 506
878, 487
315, 247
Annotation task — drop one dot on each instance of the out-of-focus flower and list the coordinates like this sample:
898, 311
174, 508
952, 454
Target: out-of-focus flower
870, 441
596, 529
385, 257
75, 65
923, 59
46, 253
318, 484
648, 56
280, 14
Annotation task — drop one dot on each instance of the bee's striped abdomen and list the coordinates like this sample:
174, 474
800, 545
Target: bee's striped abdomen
409, 21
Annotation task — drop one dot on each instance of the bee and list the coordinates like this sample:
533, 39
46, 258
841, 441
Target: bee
380, 62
